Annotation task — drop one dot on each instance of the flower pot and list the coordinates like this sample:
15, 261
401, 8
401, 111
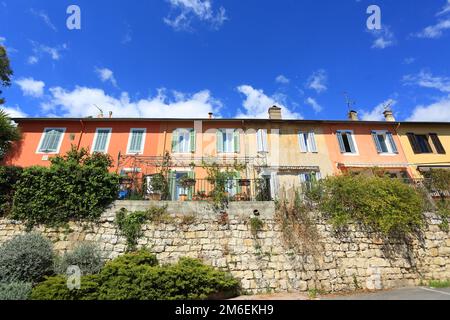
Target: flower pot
244, 182
183, 197
155, 196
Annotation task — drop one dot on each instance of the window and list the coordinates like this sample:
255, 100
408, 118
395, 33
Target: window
421, 143
136, 141
101, 140
228, 141
183, 141
261, 136
384, 142
346, 141
307, 179
307, 142
51, 140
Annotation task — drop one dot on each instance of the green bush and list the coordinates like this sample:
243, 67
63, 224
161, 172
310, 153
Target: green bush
8, 178
55, 288
86, 256
137, 276
15, 291
26, 258
76, 186
379, 203
130, 223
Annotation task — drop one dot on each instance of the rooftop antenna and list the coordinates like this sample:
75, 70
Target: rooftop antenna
350, 103
101, 111
387, 106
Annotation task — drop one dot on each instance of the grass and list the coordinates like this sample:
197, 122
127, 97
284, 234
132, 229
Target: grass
439, 283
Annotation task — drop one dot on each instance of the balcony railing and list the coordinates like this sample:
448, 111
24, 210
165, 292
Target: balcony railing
199, 190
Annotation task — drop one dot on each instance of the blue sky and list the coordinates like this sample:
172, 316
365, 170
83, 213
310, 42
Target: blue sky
184, 58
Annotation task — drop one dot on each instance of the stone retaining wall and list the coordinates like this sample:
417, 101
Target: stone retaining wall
265, 263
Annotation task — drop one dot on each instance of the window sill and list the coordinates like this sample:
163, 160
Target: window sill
44, 153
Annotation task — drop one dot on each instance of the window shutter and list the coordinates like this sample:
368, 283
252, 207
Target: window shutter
312, 142
172, 184
238, 186
237, 145
192, 140
301, 139
45, 142
191, 175
350, 142
265, 141
377, 142
318, 176
51, 141
102, 139
303, 177
262, 140
175, 139
341, 142
219, 139
392, 142
437, 143
414, 144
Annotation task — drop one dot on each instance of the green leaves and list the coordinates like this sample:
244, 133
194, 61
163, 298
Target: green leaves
381, 204
9, 133
77, 186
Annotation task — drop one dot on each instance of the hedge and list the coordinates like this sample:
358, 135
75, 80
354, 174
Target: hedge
8, 178
77, 186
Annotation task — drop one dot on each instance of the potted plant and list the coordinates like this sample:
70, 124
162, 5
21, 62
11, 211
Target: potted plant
187, 182
159, 186
244, 182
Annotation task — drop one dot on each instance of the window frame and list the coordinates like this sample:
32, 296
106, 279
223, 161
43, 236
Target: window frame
130, 135
347, 131
427, 140
236, 149
307, 134
389, 146
189, 132
38, 150
107, 140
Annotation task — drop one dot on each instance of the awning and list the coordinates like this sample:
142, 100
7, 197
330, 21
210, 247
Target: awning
428, 168
373, 165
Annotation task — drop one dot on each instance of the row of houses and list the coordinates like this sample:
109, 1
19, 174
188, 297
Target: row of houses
283, 152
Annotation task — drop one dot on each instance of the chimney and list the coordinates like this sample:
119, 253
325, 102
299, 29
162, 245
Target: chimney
110, 114
389, 115
210, 115
275, 113
353, 115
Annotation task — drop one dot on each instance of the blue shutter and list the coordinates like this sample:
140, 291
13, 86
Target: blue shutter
350, 142
136, 141
101, 141
219, 141
175, 138
237, 143
51, 140
392, 142
377, 142
341, 142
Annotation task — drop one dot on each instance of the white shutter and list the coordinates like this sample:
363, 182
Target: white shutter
312, 142
262, 140
302, 141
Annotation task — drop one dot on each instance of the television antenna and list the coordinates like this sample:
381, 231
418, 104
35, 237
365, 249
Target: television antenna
388, 105
350, 103
99, 109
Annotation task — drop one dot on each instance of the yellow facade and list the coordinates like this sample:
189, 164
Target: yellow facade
423, 161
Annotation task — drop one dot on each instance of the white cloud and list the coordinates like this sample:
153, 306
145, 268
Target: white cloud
40, 49
189, 9
105, 75
44, 16
426, 80
81, 102
257, 104
445, 9
282, 79
31, 87
318, 81
436, 30
32, 60
409, 60
2, 40
14, 112
313, 103
376, 114
438, 111
383, 38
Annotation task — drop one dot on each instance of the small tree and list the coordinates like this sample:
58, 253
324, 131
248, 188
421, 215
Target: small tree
9, 133
5, 71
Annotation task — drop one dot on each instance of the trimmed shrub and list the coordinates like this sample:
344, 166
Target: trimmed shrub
77, 186
26, 258
15, 291
380, 204
86, 256
8, 178
55, 288
137, 276
188, 279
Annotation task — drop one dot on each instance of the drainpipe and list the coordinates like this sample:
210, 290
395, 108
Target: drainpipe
81, 134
